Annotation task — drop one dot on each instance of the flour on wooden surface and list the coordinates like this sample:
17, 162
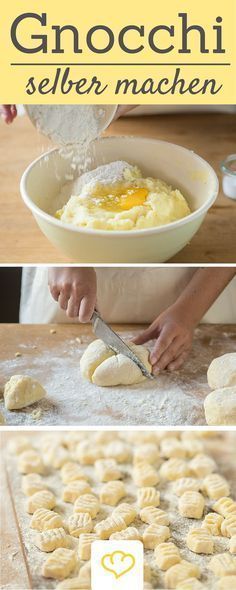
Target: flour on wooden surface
221, 449
170, 399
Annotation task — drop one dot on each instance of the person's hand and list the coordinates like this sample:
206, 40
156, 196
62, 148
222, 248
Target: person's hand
75, 289
173, 334
122, 110
8, 112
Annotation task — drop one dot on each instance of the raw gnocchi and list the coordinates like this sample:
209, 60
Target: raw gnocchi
41, 499
126, 511
32, 483
152, 515
191, 505
167, 555
51, 539
200, 541
71, 471
223, 564
180, 572
144, 475
186, 484
212, 523
43, 520
215, 486
79, 523
148, 496
87, 503
60, 564
74, 490
107, 470
175, 468
30, 462
85, 543
112, 492
155, 535
129, 534
225, 506
112, 524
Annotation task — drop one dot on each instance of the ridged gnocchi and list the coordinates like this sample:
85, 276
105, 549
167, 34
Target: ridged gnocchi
51, 539
60, 564
43, 520
112, 492
200, 541
191, 505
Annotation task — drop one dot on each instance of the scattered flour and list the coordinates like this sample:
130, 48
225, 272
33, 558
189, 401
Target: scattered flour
221, 447
175, 398
107, 174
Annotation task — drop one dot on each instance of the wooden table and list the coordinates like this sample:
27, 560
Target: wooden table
20, 563
213, 136
51, 354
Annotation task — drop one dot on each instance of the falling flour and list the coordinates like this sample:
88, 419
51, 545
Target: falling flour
69, 124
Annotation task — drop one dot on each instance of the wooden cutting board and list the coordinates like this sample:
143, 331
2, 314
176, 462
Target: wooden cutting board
51, 354
17, 564
211, 135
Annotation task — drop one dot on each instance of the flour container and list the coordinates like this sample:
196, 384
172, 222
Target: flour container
71, 124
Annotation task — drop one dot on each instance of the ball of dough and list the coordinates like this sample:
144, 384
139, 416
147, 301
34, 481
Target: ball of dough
100, 365
21, 391
220, 407
222, 371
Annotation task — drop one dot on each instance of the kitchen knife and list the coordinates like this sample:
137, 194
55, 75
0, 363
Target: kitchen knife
113, 341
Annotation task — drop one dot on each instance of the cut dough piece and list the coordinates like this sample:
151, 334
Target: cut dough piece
52, 539
21, 391
41, 499
102, 366
200, 541
212, 523
222, 371
167, 555
60, 564
127, 511
191, 505
180, 572
155, 535
112, 524
220, 407
129, 534
223, 564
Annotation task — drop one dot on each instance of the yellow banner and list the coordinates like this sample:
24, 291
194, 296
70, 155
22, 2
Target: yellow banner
126, 52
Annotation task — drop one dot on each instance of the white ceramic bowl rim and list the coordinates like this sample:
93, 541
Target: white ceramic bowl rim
128, 233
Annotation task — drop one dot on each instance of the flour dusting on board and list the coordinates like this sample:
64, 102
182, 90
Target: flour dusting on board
172, 398
220, 446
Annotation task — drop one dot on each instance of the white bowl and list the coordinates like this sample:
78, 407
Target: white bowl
43, 179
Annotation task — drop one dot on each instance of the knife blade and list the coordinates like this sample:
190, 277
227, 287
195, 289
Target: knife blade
113, 341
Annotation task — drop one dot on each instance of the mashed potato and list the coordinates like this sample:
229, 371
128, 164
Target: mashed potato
117, 197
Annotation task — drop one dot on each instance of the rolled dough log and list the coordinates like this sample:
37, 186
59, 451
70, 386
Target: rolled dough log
102, 366
2, 420
21, 391
222, 371
220, 407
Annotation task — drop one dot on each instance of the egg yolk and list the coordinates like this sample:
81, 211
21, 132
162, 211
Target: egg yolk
122, 201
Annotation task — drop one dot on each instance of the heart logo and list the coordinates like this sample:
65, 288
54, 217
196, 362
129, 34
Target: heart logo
118, 563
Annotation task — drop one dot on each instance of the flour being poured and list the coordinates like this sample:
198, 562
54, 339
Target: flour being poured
70, 124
